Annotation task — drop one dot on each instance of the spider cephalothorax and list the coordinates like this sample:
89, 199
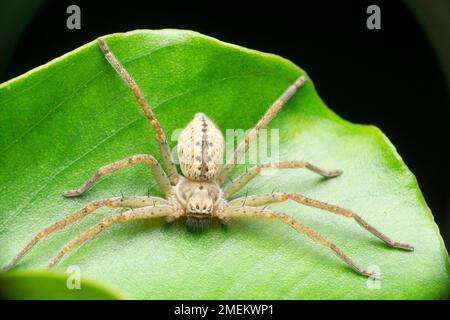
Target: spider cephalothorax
200, 194
199, 200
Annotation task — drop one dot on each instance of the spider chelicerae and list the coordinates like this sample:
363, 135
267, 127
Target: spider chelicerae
200, 194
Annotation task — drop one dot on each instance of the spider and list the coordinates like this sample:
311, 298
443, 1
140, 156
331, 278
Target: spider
199, 194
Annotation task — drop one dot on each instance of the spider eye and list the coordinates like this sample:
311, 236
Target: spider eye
197, 207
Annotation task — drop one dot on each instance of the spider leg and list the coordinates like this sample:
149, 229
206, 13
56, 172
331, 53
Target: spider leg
252, 212
266, 118
140, 213
244, 178
117, 202
160, 135
264, 199
157, 172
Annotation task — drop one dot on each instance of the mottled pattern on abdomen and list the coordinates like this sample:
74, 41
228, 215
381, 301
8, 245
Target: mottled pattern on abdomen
200, 149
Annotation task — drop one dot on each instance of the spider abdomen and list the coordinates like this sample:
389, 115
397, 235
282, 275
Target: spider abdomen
200, 149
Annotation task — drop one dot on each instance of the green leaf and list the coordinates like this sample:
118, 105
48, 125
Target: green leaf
62, 121
45, 285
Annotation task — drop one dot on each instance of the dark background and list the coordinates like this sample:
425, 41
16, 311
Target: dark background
396, 78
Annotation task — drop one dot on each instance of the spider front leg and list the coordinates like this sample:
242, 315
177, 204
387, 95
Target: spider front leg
251, 212
160, 135
158, 173
264, 199
244, 178
266, 118
117, 202
141, 213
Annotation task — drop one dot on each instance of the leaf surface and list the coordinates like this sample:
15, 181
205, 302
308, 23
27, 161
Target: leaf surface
63, 120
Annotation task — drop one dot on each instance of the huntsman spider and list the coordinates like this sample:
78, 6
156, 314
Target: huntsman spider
199, 193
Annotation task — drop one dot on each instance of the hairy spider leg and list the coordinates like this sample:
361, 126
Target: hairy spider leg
266, 118
116, 202
137, 214
160, 135
157, 171
264, 199
244, 178
252, 212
